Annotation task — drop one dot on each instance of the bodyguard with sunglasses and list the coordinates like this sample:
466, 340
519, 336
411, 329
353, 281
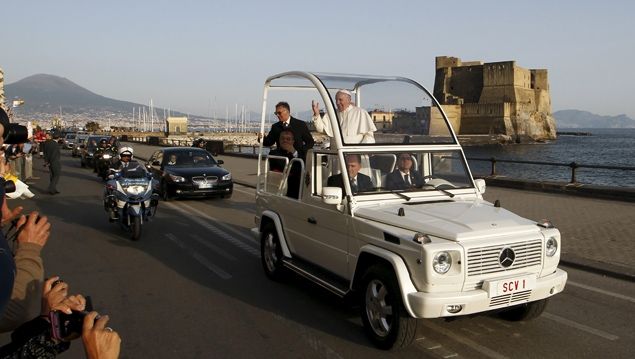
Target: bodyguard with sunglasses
303, 139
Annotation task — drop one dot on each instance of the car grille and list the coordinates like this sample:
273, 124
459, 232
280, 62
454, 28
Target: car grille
483, 261
506, 299
203, 179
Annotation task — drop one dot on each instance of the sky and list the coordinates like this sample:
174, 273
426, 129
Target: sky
201, 57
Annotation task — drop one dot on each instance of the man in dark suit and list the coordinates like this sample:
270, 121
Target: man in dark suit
51, 151
359, 182
404, 177
287, 150
303, 141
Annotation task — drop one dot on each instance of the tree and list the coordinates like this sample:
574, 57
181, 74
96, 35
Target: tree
92, 126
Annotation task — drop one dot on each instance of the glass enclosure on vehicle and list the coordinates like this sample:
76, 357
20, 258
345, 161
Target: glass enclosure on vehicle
401, 111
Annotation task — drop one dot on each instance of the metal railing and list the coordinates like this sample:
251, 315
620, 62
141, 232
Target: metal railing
574, 166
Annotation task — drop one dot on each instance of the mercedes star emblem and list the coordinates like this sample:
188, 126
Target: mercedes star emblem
506, 257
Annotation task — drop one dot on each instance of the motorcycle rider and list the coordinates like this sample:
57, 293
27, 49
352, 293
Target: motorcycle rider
124, 162
99, 151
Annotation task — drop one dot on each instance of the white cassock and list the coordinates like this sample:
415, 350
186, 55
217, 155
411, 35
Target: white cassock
355, 124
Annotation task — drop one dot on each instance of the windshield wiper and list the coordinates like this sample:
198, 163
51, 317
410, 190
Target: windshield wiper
400, 194
446, 192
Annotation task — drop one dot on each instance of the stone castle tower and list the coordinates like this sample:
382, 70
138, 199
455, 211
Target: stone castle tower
496, 98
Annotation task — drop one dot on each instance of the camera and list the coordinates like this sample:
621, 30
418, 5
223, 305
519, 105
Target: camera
13, 133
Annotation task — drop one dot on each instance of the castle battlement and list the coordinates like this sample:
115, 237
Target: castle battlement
495, 98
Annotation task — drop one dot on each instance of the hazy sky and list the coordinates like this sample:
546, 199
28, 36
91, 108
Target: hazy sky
194, 56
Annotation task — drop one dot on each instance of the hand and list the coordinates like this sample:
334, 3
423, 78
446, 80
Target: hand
316, 107
33, 230
54, 297
9, 214
100, 342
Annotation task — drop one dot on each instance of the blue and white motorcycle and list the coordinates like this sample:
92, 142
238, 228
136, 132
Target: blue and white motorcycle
130, 198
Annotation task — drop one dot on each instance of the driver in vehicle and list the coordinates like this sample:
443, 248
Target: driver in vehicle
359, 182
404, 176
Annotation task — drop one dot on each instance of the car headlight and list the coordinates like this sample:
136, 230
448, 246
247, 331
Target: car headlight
106, 156
135, 190
227, 177
176, 178
551, 246
442, 262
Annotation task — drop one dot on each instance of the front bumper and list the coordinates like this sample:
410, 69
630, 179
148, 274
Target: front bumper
191, 190
434, 305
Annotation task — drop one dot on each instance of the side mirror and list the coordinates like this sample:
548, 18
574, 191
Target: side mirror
220, 162
480, 185
332, 195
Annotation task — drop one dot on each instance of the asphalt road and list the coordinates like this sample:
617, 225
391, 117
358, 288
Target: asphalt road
193, 287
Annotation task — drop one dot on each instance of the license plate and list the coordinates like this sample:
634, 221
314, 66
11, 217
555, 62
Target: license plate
509, 285
205, 185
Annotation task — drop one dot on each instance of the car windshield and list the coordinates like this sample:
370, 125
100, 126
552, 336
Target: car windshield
400, 173
189, 158
396, 110
93, 142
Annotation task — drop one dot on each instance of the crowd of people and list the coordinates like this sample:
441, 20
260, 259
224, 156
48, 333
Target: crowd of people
29, 304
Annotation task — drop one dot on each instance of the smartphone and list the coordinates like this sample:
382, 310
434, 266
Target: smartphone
67, 326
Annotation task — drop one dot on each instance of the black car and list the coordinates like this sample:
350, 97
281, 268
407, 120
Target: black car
88, 149
189, 172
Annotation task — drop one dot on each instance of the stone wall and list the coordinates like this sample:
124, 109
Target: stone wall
497, 98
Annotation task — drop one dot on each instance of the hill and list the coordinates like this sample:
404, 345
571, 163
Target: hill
584, 119
46, 93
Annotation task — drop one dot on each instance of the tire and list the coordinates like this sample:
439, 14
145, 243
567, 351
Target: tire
385, 319
271, 253
165, 194
527, 311
135, 228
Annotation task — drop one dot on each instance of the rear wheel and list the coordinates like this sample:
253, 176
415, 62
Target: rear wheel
271, 252
135, 228
385, 319
527, 311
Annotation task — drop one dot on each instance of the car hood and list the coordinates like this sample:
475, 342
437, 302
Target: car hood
197, 171
453, 220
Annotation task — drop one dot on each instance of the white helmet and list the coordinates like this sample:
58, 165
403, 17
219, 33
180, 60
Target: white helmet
123, 151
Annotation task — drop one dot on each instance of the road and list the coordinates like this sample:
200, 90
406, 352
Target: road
193, 287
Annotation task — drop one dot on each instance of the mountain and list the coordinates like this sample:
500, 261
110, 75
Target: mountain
46, 93
584, 119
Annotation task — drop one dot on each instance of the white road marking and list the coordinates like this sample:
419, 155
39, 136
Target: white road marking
206, 222
463, 340
601, 291
213, 247
585, 328
203, 261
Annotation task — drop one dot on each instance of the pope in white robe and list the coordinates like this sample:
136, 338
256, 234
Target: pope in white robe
356, 124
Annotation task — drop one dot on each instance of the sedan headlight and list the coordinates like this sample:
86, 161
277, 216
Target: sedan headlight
227, 177
551, 246
176, 178
135, 190
442, 262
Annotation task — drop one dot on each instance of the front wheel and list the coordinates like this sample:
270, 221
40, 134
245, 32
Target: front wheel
527, 311
385, 319
271, 252
135, 228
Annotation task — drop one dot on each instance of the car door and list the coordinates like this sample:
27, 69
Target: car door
317, 232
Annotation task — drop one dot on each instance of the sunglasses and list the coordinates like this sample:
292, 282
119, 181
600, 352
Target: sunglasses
278, 113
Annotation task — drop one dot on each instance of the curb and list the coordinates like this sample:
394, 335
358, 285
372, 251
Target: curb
601, 268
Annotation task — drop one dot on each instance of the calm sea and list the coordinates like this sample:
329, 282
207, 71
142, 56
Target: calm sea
606, 147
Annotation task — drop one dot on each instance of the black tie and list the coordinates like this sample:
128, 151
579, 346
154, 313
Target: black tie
353, 186
406, 178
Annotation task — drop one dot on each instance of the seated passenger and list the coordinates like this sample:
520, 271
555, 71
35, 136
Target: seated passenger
404, 177
359, 181
172, 161
288, 150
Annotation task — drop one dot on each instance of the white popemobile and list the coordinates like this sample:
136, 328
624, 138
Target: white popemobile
417, 240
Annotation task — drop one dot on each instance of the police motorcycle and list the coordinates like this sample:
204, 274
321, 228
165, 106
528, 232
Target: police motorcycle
104, 159
129, 197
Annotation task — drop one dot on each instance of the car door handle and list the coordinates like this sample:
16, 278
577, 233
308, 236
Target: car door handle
312, 220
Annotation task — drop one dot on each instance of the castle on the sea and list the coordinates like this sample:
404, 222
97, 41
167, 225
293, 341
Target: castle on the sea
495, 98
